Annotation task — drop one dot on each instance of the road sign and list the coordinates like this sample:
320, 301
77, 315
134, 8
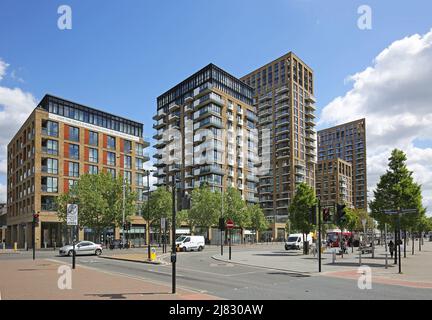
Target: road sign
163, 224
72, 215
230, 224
391, 212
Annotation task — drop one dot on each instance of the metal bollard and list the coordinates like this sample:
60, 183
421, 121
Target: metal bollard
15, 246
360, 253
386, 260
334, 256
55, 245
4, 246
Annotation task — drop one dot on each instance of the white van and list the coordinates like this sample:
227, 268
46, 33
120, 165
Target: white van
295, 241
190, 243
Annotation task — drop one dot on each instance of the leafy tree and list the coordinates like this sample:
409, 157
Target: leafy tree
257, 220
205, 207
397, 189
100, 201
235, 209
182, 218
299, 209
158, 206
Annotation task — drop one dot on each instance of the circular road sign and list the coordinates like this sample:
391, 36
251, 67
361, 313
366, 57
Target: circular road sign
230, 224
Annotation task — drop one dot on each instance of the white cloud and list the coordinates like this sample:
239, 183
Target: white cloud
3, 67
394, 95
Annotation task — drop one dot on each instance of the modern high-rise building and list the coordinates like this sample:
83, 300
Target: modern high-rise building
348, 142
206, 133
60, 141
334, 183
284, 97
3, 224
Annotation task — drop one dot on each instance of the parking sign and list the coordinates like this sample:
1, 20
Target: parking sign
72, 215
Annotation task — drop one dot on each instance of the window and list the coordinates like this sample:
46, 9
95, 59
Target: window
127, 146
139, 164
111, 159
49, 184
50, 166
111, 142
73, 169
127, 162
112, 172
72, 183
74, 134
93, 138
74, 151
128, 176
139, 179
50, 128
50, 147
93, 169
139, 149
93, 155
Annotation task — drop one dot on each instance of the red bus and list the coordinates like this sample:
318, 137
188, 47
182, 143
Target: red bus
334, 236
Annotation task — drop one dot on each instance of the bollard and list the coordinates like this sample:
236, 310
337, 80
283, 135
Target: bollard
45, 245
386, 260
15, 246
334, 256
360, 262
55, 245
25, 246
4, 246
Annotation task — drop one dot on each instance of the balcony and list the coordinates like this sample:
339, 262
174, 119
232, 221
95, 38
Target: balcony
203, 88
173, 107
281, 98
310, 121
310, 99
282, 89
173, 117
188, 108
188, 98
159, 125
209, 169
161, 113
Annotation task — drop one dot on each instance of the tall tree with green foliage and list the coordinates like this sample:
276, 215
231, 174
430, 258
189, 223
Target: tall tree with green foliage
205, 207
158, 206
299, 209
257, 220
397, 189
100, 202
235, 209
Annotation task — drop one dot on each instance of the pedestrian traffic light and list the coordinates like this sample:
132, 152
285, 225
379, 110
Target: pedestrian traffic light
340, 213
127, 226
221, 224
312, 215
326, 215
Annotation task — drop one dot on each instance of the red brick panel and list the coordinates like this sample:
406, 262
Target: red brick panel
66, 150
105, 156
121, 161
66, 168
86, 168
121, 145
105, 141
86, 154
86, 136
66, 132
65, 185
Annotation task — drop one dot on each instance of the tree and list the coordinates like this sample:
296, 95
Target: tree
183, 218
397, 190
257, 220
235, 209
158, 206
100, 202
205, 207
299, 209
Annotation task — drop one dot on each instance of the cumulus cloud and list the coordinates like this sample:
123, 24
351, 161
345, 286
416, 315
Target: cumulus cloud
394, 95
15, 106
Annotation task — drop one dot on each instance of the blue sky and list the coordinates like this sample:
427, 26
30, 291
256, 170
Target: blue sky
120, 55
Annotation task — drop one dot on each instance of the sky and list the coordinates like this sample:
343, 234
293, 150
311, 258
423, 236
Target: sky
120, 56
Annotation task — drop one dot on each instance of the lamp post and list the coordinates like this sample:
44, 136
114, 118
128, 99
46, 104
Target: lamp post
148, 214
123, 203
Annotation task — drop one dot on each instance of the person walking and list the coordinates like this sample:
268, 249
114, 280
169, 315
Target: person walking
391, 248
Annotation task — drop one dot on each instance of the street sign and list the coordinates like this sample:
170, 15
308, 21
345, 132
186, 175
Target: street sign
391, 212
163, 224
72, 215
230, 224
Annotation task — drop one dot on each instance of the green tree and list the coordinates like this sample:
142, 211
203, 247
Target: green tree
257, 220
299, 209
205, 207
235, 209
100, 202
158, 206
397, 189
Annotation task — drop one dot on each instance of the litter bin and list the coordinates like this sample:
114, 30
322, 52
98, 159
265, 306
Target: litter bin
153, 254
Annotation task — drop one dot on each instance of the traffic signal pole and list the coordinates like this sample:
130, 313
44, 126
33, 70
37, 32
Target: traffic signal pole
173, 242
34, 238
319, 235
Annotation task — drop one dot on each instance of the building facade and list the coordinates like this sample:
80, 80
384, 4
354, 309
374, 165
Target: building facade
60, 141
3, 221
284, 98
334, 183
348, 142
206, 133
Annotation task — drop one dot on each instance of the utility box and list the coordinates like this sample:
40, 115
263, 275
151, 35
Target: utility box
153, 254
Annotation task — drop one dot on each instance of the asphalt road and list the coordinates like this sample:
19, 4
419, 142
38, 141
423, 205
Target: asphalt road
198, 271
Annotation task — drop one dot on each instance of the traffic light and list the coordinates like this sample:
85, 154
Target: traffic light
221, 224
340, 213
127, 226
35, 218
326, 215
312, 215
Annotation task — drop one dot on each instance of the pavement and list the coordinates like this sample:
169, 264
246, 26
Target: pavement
32, 280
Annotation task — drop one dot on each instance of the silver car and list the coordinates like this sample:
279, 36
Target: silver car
82, 248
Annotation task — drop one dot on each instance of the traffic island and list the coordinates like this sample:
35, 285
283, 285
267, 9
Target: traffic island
135, 257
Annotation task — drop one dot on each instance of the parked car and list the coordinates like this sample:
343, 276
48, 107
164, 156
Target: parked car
295, 241
82, 248
190, 243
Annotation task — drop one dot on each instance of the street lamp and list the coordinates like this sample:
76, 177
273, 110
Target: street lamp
148, 172
124, 198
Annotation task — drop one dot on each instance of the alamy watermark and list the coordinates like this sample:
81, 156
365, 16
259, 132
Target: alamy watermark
365, 280
64, 22
64, 282
364, 22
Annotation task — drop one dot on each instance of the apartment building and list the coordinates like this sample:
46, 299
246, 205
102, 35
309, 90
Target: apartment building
206, 133
348, 142
60, 141
3, 224
334, 183
284, 98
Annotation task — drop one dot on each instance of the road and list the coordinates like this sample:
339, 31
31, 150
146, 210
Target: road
198, 271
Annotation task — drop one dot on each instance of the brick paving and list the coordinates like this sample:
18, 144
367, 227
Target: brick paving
38, 280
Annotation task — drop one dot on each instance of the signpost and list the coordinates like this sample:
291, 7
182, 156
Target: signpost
72, 220
163, 228
229, 226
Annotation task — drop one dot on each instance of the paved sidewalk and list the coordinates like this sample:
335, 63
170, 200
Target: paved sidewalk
416, 269
38, 280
